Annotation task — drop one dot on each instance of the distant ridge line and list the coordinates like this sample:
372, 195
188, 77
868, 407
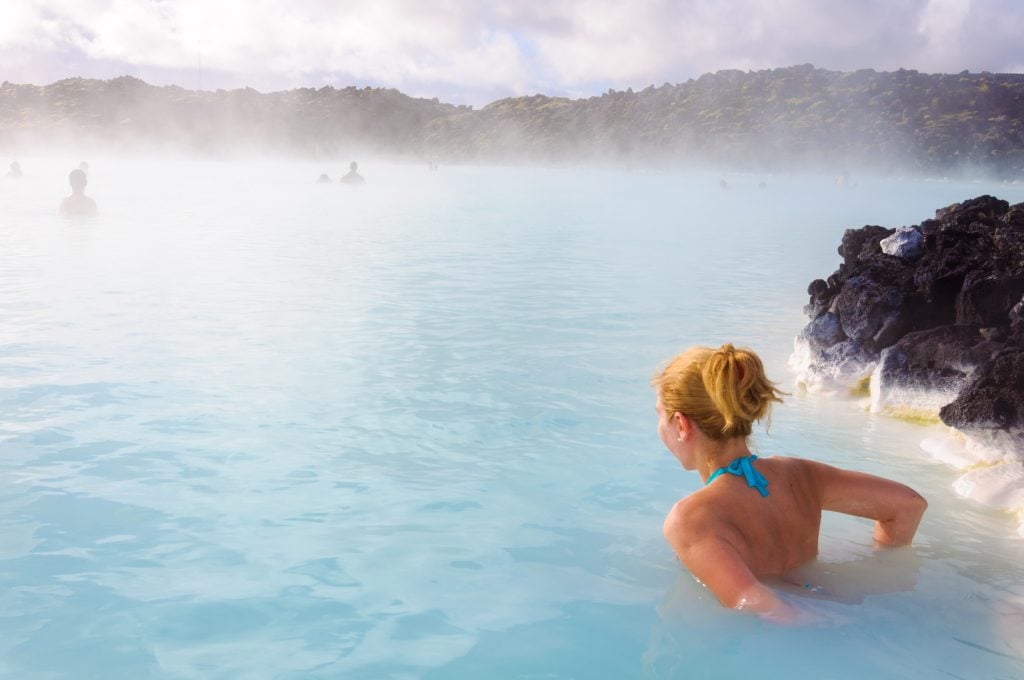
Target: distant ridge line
767, 120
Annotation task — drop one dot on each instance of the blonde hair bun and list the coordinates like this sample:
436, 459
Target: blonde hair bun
724, 391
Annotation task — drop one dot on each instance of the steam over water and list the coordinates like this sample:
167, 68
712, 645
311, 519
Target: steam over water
255, 426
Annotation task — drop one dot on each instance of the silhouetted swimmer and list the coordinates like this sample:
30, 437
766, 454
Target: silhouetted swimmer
762, 185
15, 170
78, 204
353, 177
722, 184
323, 178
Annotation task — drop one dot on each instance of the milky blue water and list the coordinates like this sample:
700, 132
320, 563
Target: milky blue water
256, 427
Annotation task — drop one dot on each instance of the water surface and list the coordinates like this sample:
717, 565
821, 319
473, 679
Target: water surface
253, 426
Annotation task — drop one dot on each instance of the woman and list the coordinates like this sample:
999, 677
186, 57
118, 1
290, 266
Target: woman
755, 517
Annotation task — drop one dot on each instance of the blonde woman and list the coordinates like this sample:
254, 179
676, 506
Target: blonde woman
755, 517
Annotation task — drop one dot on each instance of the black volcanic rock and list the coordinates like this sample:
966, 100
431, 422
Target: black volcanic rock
940, 359
986, 298
948, 323
862, 244
1017, 315
879, 303
992, 400
983, 209
823, 332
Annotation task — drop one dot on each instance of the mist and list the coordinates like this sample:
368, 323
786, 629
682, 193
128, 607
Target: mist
796, 119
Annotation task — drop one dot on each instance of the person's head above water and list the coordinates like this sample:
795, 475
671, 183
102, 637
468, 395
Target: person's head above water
353, 176
78, 204
78, 180
722, 391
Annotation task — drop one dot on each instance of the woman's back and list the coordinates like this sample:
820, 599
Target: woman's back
775, 533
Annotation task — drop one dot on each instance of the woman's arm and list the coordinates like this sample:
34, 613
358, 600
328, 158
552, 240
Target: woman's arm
896, 508
714, 562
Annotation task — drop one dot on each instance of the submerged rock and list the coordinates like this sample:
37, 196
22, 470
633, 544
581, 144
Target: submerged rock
935, 314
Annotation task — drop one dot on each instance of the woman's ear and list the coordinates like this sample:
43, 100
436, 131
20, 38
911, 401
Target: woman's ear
683, 426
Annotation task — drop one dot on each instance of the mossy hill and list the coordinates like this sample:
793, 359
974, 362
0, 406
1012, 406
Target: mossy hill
128, 114
776, 119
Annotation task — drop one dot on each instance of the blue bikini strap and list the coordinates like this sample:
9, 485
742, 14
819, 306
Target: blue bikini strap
743, 467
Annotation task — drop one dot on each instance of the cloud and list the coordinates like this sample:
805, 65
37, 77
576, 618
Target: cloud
469, 51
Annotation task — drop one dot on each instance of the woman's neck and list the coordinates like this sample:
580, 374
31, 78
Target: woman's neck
718, 454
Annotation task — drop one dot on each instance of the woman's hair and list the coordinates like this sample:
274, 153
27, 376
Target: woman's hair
723, 391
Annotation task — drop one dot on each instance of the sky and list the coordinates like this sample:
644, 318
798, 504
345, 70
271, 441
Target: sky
475, 52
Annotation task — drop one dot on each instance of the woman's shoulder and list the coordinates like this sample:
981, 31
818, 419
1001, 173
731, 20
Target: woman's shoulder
815, 471
802, 475
789, 464
785, 460
692, 515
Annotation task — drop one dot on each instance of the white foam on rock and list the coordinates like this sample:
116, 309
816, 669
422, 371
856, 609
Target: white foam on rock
889, 397
801, 358
999, 486
950, 449
898, 400
965, 451
995, 444
994, 465
826, 378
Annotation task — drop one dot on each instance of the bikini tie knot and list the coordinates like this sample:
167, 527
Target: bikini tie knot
743, 467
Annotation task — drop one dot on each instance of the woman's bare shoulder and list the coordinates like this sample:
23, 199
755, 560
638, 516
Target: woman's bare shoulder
689, 515
791, 465
791, 461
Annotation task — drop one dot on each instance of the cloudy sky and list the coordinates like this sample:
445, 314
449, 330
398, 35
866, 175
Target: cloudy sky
473, 52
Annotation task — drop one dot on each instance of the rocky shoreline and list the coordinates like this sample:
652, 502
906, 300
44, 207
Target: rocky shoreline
927, 321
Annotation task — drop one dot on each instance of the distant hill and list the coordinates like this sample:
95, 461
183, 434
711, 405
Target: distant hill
776, 119
127, 114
